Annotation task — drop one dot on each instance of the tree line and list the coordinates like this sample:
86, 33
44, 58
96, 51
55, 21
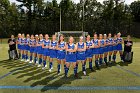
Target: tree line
37, 16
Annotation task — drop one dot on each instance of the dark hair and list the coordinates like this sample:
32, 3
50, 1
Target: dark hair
59, 38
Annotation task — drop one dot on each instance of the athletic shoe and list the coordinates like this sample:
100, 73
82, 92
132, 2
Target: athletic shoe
22, 59
39, 65
76, 75
28, 60
45, 66
50, 70
84, 72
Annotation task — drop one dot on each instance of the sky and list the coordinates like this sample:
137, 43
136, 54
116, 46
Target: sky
76, 1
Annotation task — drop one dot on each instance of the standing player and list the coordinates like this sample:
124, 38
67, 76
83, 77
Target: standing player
46, 45
101, 49
19, 45
61, 53
115, 43
110, 46
27, 47
106, 49
71, 56
53, 51
32, 47
119, 46
40, 49
23, 47
36, 49
89, 46
95, 50
81, 57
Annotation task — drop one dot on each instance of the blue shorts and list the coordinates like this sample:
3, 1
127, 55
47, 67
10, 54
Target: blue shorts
119, 47
95, 51
101, 50
71, 58
36, 50
22, 47
40, 50
19, 46
81, 56
27, 47
110, 48
32, 49
115, 48
89, 53
53, 53
106, 49
46, 52
61, 55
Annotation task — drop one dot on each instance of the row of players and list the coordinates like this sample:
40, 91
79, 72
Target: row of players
41, 48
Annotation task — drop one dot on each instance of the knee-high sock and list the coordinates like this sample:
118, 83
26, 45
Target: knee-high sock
58, 67
66, 71
101, 60
83, 67
75, 71
35, 59
40, 60
31, 58
109, 58
23, 56
96, 63
90, 65
44, 63
114, 57
51, 65
105, 59
121, 57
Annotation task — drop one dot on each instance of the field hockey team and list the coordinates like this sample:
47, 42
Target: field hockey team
41, 49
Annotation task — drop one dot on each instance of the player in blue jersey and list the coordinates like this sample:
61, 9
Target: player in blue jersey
119, 46
89, 46
106, 49
101, 49
23, 47
36, 49
71, 49
40, 49
110, 46
32, 47
27, 47
46, 53
115, 43
95, 50
80, 55
53, 51
61, 45
19, 45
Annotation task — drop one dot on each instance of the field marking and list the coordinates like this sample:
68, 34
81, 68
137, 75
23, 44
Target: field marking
74, 87
129, 71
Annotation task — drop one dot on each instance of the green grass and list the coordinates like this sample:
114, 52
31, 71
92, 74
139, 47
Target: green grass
33, 76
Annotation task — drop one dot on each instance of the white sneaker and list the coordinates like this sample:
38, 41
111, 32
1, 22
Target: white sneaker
39, 65
84, 72
37, 62
50, 70
32, 61
22, 59
45, 66
28, 60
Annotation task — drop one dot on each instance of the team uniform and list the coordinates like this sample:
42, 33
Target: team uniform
36, 51
22, 46
53, 52
32, 47
101, 49
95, 51
89, 50
110, 46
27, 47
115, 44
106, 47
46, 50
71, 56
40, 50
80, 54
119, 46
19, 43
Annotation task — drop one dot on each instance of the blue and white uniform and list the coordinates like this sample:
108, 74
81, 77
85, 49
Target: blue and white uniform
101, 49
22, 44
95, 50
46, 50
119, 46
71, 56
80, 54
89, 51
53, 52
115, 44
27, 47
106, 47
61, 53
32, 45
36, 47
19, 43
40, 49
110, 46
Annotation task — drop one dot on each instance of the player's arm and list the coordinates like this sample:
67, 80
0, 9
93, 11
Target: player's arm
84, 49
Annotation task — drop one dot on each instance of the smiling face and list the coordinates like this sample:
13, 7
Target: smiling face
81, 39
27, 36
88, 38
109, 35
54, 37
19, 35
32, 37
23, 36
41, 36
95, 36
105, 36
115, 36
46, 36
100, 36
61, 38
119, 35
71, 39
36, 37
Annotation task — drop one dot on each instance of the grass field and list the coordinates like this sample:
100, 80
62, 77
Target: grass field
21, 77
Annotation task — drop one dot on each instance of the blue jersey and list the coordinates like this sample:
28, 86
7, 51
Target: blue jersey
102, 43
107, 42
19, 40
46, 43
23, 41
40, 42
27, 40
88, 44
71, 47
110, 41
95, 42
61, 45
53, 43
80, 46
115, 41
119, 40
32, 42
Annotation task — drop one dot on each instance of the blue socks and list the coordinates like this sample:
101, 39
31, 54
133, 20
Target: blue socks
121, 57
109, 58
40, 60
51, 65
96, 63
75, 71
83, 67
66, 71
100, 61
58, 66
23, 56
90, 65
31, 58
105, 59
114, 57
35, 59
44, 63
